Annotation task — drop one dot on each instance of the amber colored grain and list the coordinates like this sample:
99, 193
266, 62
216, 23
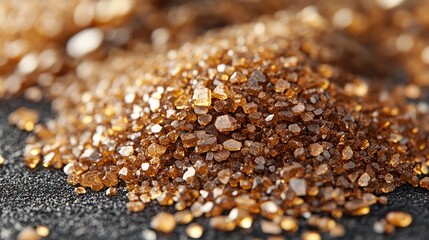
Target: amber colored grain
399, 219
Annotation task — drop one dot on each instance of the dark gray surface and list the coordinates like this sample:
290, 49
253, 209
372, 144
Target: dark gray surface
42, 197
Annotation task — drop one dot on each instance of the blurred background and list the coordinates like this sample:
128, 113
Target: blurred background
40, 40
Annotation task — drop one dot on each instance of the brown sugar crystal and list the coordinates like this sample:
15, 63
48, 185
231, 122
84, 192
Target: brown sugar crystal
42, 231
135, 206
194, 230
316, 149
347, 153
294, 128
364, 179
299, 186
311, 235
28, 233
149, 234
225, 123
183, 217
163, 222
399, 219
232, 145
111, 191
424, 182
243, 122
80, 190
202, 97
289, 224
24, 118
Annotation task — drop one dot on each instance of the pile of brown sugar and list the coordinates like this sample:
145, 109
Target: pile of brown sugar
253, 120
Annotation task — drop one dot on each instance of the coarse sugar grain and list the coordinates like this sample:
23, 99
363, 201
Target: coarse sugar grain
399, 219
42, 231
24, 118
194, 230
28, 233
163, 222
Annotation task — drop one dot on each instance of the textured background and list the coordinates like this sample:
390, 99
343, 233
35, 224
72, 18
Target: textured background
42, 197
